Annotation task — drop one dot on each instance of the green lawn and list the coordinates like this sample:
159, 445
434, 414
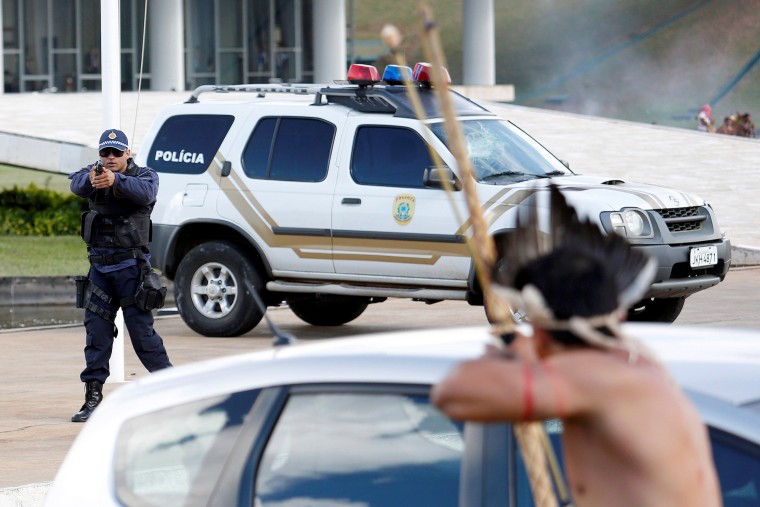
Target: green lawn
40, 255
10, 176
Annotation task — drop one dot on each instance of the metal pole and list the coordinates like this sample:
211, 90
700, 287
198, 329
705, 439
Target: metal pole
110, 49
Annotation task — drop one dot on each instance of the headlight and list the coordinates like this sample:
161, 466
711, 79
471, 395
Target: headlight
631, 223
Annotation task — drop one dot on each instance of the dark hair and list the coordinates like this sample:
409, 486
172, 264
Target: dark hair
573, 284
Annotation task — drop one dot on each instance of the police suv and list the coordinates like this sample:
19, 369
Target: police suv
326, 197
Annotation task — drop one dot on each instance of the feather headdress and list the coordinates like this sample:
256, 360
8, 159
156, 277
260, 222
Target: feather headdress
565, 274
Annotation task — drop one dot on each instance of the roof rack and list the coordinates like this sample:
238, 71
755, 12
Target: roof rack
261, 89
378, 99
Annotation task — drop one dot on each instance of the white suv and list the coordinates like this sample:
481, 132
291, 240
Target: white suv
326, 197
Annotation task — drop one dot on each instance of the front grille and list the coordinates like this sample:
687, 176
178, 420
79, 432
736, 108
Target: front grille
683, 219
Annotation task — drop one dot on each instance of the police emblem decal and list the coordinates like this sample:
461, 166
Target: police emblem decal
112, 135
403, 208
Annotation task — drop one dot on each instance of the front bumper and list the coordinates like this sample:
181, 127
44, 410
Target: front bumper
676, 278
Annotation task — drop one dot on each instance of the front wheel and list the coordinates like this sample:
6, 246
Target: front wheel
328, 310
656, 310
213, 290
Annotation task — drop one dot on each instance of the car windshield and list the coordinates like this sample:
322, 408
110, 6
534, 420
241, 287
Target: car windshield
502, 153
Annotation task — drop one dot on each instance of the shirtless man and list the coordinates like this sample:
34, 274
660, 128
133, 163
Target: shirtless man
631, 438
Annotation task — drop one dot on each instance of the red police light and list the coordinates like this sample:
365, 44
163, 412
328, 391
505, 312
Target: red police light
363, 74
423, 73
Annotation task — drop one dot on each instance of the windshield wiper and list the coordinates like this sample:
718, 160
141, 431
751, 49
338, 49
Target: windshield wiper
504, 173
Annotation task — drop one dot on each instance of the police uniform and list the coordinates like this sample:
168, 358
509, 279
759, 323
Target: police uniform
116, 230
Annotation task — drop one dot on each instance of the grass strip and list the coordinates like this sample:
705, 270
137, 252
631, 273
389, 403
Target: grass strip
43, 256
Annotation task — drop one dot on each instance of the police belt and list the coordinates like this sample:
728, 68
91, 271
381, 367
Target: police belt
116, 258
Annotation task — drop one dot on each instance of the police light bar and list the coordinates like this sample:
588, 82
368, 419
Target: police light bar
363, 75
397, 74
423, 73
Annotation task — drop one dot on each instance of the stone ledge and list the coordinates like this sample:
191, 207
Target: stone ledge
48, 290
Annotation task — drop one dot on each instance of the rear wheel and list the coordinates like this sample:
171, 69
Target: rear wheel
328, 310
656, 310
214, 286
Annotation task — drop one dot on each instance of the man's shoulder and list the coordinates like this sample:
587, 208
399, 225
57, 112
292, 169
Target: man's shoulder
602, 369
140, 171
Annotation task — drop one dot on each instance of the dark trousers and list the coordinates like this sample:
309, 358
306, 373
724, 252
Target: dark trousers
148, 345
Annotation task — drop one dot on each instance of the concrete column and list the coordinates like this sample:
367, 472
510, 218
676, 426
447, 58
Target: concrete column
329, 41
478, 51
110, 51
167, 56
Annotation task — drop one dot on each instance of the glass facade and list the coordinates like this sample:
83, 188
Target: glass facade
244, 41
54, 45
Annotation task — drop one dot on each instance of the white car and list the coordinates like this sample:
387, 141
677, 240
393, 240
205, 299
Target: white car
348, 422
327, 197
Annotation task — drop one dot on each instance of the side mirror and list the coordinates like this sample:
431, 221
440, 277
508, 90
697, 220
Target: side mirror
565, 163
226, 168
435, 177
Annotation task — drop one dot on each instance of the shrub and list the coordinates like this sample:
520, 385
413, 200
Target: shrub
34, 211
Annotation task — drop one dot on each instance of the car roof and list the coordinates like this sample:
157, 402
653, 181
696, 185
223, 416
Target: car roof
719, 363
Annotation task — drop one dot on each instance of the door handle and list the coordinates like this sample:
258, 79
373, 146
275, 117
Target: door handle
351, 200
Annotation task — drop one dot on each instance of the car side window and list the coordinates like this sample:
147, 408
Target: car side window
389, 156
187, 144
176, 455
360, 449
523, 492
738, 464
289, 149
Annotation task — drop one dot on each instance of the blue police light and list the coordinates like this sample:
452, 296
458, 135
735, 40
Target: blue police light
397, 74
423, 73
362, 75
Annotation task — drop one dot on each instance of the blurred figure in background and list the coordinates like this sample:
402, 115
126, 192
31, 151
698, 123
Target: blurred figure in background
729, 126
705, 121
746, 127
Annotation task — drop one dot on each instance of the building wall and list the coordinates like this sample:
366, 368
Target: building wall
53, 45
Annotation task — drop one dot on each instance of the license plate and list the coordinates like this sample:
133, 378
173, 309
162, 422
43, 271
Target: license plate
703, 256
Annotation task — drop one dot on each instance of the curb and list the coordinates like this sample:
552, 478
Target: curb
745, 256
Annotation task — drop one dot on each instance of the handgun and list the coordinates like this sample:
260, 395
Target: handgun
99, 168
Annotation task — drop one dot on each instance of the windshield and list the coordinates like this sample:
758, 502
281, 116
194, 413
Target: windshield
500, 152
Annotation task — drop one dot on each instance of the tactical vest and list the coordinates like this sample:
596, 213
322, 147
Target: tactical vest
116, 222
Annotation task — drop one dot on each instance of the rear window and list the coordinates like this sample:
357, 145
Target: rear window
289, 149
175, 456
187, 144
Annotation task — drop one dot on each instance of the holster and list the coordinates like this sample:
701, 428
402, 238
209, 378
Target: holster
82, 283
151, 293
85, 290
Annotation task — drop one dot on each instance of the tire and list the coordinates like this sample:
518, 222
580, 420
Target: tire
213, 290
328, 310
656, 310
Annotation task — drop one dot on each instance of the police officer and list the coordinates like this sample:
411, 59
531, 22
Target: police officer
117, 231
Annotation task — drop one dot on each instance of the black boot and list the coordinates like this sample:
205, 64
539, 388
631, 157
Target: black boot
93, 395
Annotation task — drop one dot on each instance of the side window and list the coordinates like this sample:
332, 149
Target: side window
523, 492
389, 156
289, 149
161, 457
738, 464
186, 144
363, 449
